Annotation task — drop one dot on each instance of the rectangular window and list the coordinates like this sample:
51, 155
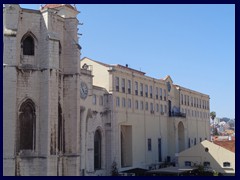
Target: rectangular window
195, 141
189, 142
149, 144
194, 102
146, 106
165, 108
197, 102
161, 109
165, 95
156, 92
129, 86
141, 105
123, 102
117, 102
117, 83
226, 164
191, 101
146, 90
151, 107
200, 103
101, 100
160, 94
182, 99
136, 88
206, 164
136, 104
157, 107
151, 92
188, 100
185, 100
187, 163
123, 85
94, 99
200, 139
129, 103
141, 89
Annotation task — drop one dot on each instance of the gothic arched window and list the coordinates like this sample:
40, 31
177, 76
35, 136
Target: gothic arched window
97, 149
27, 125
28, 46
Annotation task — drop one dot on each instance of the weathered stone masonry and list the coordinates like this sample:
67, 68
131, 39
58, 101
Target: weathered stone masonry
49, 79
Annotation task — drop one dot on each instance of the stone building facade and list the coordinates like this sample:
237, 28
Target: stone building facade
152, 119
65, 116
41, 101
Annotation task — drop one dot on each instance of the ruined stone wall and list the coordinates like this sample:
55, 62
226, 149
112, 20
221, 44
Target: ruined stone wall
43, 79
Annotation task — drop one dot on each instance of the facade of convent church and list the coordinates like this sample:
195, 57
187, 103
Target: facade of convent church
66, 116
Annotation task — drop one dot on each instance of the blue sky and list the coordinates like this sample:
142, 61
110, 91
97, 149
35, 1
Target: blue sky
194, 44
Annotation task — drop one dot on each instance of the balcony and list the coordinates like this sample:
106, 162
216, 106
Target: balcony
177, 114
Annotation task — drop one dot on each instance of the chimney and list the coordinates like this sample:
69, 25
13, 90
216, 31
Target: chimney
127, 65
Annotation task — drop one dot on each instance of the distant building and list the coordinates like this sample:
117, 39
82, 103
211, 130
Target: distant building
216, 120
227, 142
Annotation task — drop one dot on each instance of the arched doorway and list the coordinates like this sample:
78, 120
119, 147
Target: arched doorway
181, 137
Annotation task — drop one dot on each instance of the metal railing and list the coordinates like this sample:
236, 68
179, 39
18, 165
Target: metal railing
177, 114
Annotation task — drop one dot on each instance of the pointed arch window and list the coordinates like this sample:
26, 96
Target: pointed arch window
28, 46
97, 149
27, 125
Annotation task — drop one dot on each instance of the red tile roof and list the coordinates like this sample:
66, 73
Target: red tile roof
52, 6
229, 145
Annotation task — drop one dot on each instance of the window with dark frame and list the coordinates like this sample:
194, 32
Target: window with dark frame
226, 164
149, 144
97, 149
28, 46
27, 127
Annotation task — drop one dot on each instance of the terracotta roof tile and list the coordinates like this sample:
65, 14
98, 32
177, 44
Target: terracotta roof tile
229, 145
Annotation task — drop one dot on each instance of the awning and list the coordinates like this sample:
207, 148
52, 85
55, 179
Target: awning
172, 170
137, 171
